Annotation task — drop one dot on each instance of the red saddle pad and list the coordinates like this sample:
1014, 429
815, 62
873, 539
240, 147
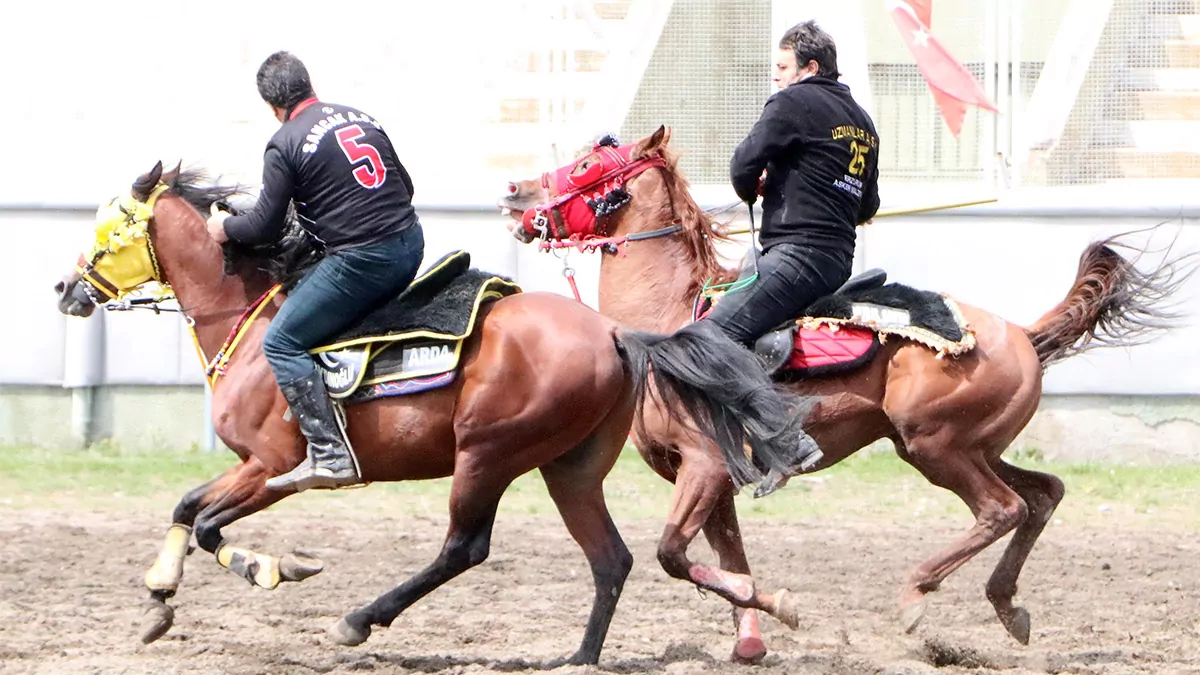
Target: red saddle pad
827, 349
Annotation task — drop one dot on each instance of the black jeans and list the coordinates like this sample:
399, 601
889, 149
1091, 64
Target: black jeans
790, 278
343, 287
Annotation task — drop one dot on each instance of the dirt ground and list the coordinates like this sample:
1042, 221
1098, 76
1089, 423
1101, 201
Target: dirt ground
1104, 601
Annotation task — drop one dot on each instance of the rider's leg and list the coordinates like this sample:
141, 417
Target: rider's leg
790, 278
343, 287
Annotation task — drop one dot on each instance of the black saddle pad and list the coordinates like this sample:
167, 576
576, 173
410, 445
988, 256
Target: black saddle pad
443, 302
926, 310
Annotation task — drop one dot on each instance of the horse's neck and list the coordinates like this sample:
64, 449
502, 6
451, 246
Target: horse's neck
194, 265
215, 309
651, 286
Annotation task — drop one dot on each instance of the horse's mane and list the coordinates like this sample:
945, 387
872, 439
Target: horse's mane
700, 230
283, 261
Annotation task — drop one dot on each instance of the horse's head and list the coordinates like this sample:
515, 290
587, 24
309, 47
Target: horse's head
122, 257
583, 198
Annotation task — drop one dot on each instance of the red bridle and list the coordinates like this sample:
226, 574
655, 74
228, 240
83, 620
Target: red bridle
580, 201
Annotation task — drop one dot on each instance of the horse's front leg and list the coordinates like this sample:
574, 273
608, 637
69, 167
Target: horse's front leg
725, 537
162, 579
236, 494
700, 486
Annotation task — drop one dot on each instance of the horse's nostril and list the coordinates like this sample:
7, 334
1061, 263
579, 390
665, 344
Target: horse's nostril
60, 287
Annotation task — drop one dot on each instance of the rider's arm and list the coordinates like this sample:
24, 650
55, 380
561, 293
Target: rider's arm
404, 177
773, 132
408, 184
264, 223
870, 199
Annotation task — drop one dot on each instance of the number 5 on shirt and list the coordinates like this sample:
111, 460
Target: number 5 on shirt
371, 174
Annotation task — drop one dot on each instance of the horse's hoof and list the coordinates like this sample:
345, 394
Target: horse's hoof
156, 620
298, 566
581, 659
911, 615
347, 635
1018, 625
787, 609
749, 651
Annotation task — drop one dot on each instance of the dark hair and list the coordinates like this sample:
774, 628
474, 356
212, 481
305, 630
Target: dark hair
810, 43
283, 81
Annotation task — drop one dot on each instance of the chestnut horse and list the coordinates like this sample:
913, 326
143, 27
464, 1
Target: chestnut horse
544, 382
950, 418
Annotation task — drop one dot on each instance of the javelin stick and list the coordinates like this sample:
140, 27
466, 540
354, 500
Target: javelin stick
885, 213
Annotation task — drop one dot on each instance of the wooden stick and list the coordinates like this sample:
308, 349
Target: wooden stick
885, 213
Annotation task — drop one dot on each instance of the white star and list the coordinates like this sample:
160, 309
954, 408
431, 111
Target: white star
920, 37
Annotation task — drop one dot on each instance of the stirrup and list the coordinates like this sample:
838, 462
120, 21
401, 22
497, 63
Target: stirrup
308, 476
775, 480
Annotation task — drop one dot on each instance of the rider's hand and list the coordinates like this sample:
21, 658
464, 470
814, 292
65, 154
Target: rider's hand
762, 180
216, 225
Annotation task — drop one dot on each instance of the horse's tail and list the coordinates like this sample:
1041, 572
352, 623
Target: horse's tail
723, 389
1112, 303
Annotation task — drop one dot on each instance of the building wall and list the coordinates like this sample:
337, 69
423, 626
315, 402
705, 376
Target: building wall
1137, 404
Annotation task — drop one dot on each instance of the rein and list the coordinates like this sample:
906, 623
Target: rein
214, 368
607, 244
124, 224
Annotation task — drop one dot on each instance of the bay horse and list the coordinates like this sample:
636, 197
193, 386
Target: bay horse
543, 382
950, 418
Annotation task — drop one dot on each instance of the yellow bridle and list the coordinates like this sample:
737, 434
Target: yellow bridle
122, 259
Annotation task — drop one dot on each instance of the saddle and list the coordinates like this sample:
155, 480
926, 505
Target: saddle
413, 342
843, 331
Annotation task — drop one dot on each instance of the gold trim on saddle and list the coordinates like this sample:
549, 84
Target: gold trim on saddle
884, 328
439, 352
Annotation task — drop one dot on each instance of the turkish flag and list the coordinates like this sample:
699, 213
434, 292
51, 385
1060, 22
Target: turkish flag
953, 86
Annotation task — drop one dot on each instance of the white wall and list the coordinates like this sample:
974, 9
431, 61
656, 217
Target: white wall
1016, 267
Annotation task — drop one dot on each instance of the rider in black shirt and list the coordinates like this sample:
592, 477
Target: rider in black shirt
338, 168
820, 153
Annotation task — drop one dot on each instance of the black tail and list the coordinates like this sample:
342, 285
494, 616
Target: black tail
723, 390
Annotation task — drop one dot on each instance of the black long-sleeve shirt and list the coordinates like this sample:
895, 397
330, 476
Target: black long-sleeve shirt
338, 167
820, 151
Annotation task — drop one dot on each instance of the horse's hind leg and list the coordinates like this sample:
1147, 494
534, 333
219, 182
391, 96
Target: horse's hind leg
725, 537
576, 483
997, 510
1042, 493
474, 496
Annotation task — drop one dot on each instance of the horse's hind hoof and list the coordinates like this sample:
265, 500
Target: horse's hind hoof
343, 633
911, 615
298, 566
1018, 625
787, 609
156, 620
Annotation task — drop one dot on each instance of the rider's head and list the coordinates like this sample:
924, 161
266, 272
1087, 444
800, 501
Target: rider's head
804, 51
283, 83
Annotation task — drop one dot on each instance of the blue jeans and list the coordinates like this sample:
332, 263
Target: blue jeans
790, 278
342, 288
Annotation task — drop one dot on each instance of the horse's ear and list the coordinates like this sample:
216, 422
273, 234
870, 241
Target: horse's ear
656, 140
144, 185
169, 177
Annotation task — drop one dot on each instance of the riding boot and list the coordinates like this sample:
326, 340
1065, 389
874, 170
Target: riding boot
808, 454
330, 462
